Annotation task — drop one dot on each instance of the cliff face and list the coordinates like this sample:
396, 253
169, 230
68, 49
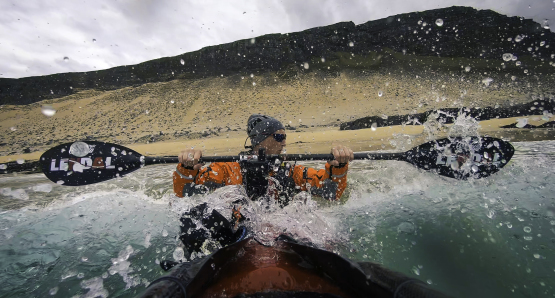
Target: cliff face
465, 33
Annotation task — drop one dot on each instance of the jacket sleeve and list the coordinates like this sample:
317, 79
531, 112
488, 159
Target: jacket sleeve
189, 182
329, 183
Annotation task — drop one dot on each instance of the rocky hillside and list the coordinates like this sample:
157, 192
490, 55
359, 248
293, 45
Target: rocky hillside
482, 36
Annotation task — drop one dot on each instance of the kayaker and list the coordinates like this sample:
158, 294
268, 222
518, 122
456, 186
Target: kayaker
271, 179
282, 182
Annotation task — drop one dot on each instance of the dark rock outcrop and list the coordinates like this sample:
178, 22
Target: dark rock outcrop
466, 32
448, 115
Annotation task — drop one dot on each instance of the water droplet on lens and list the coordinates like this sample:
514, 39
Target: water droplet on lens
94, 39
351, 44
374, 126
20, 161
305, 65
48, 110
182, 62
415, 270
66, 59
380, 93
323, 59
507, 57
467, 69
439, 22
527, 229
53, 291
522, 122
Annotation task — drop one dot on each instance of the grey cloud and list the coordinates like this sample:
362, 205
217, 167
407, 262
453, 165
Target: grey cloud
130, 31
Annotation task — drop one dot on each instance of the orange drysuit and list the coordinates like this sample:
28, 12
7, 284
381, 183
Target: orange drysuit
328, 183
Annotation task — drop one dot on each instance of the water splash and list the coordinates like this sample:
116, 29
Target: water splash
48, 110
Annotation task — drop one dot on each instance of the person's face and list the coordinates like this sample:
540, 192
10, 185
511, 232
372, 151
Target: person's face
272, 146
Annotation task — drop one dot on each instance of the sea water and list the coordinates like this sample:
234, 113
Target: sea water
490, 237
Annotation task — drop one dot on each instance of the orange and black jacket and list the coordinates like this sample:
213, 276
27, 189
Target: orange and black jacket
328, 183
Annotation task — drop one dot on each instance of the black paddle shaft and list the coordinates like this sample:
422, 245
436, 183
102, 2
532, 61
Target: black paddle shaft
285, 157
82, 163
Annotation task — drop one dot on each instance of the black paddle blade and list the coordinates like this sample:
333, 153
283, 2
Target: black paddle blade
88, 162
462, 158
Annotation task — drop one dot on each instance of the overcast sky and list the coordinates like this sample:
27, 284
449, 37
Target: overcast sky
36, 35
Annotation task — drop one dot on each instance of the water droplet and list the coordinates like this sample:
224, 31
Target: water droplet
374, 126
20, 161
182, 62
467, 69
252, 75
48, 110
351, 44
305, 65
542, 43
60, 182
213, 266
94, 39
519, 38
171, 101
415, 270
429, 281
491, 214
405, 227
439, 22
253, 40
84, 259
253, 83
53, 291
66, 59
3, 166
513, 78
520, 124
80, 275
13, 128
323, 59
507, 57
147, 112
537, 256
527, 229
518, 63
380, 93
178, 254
487, 81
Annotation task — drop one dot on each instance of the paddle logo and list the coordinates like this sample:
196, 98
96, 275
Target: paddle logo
81, 164
462, 159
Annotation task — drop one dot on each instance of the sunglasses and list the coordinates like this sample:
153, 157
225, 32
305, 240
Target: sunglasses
279, 137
